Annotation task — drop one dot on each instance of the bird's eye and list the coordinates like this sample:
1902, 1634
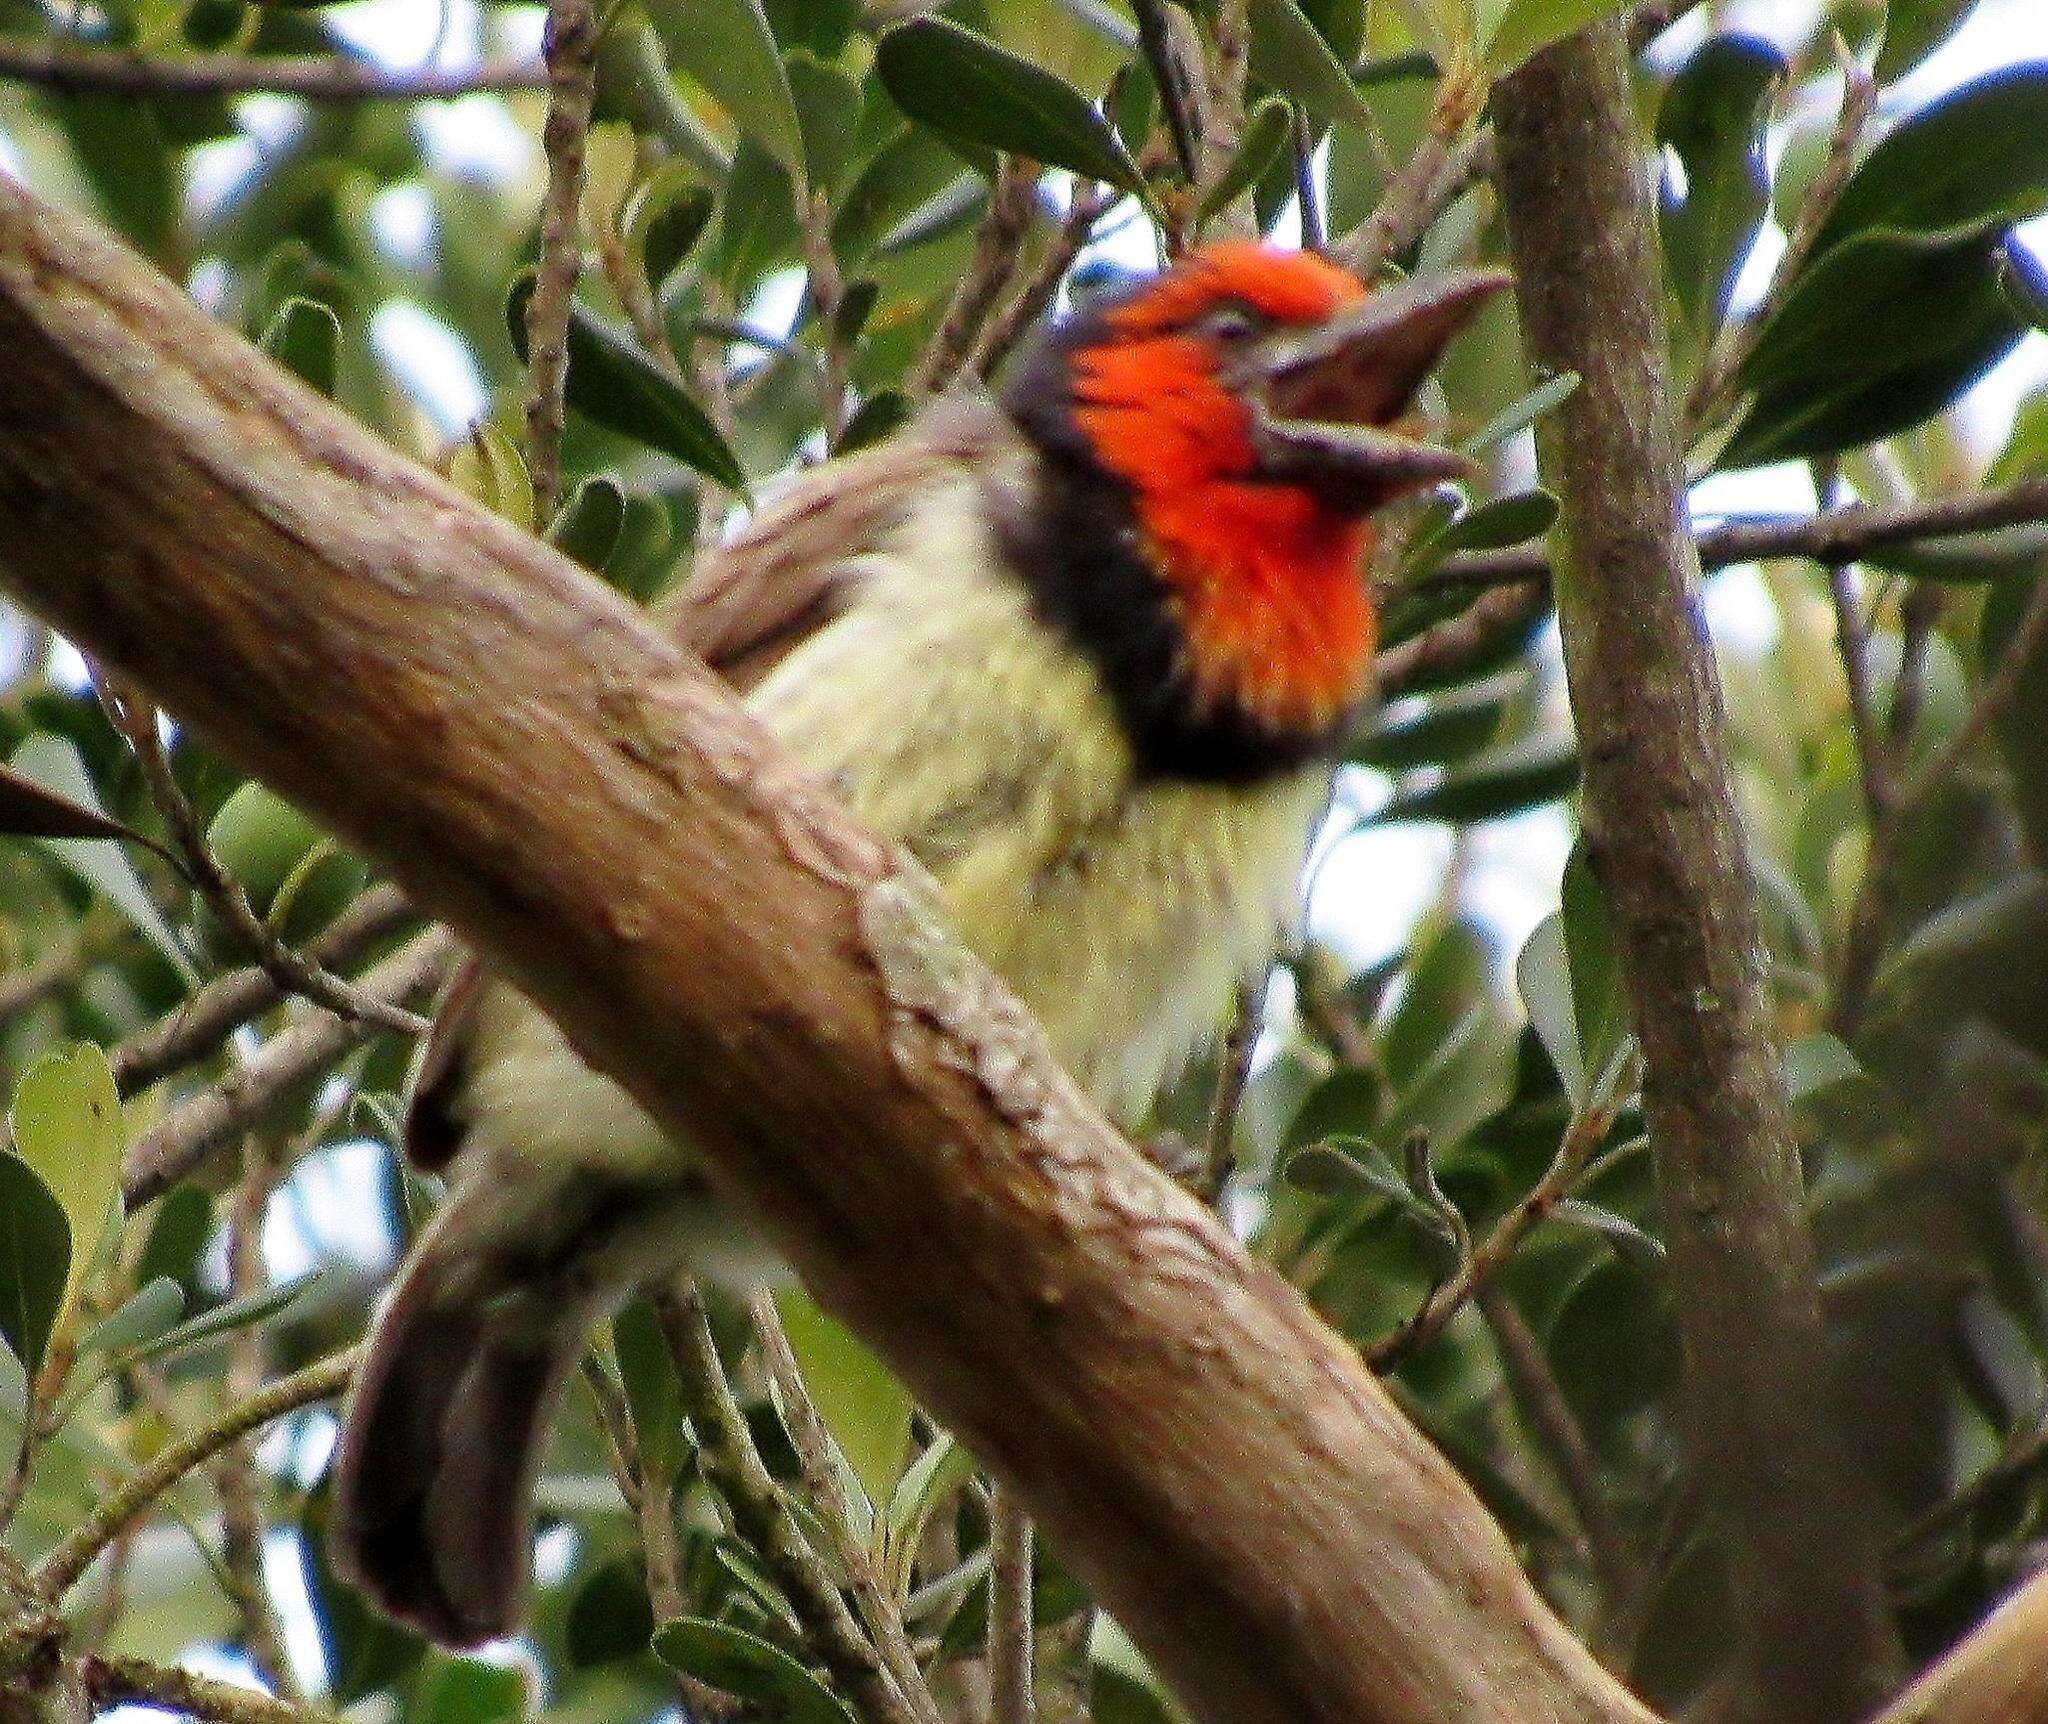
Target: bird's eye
1231, 322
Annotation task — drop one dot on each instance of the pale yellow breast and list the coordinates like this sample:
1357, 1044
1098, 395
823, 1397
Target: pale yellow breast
1123, 912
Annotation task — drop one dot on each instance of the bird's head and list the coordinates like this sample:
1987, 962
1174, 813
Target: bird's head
1250, 409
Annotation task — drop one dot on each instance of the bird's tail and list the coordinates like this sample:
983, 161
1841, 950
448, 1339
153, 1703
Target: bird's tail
444, 1430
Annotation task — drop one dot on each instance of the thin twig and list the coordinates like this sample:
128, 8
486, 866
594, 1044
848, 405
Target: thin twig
276, 1071
136, 719
235, 1478
1155, 38
998, 249
763, 1517
1852, 645
1712, 390
95, 939
813, 1445
196, 1029
73, 68
1307, 199
1011, 1645
1443, 167
1581, 1139
1842, 535
1229, 56
113, 1680
1004, 328
571, 47
1233, 1075
1870, 916
1540, 1401
73, 1554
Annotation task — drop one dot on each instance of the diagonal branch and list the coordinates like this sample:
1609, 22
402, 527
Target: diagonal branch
623, 842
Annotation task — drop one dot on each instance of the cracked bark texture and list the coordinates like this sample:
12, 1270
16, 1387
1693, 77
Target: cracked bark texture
1667, 841
591, 809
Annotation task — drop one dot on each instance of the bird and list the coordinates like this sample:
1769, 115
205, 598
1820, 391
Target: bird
1086, 648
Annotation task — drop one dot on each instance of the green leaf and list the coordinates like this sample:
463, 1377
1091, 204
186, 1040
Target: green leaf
489, 467
1971, 160
1524, 411
148, 1313
727, 47
613, 383
305, 338
966, 88
54, 764
926, 1485
1714, 118
864, 1407
1491, 526
1447, 727
648, 1374
1884, 332
469, 1691
1266, 134
1817, 1063
228, 1318
1543, 978
757, 221
1528, 26
1599, 1003
2018, 722
828, 104
1290, 53
589, 524
1913, 29
27, 810
874, 419
1501, 781
1997, 554
2025, 283
750, 1667
666, 219
1632, 1245
35, 1254
66, 1124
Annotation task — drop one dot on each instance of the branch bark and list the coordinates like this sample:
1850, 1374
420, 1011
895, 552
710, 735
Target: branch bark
1666, 837
78, 68
619, 838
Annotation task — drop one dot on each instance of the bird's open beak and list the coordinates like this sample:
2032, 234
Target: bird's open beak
1326, 399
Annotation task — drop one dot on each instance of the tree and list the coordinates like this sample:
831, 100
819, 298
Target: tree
1700, 1235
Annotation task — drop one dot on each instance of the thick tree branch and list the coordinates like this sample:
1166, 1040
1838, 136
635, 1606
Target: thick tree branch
1998, 1675
1660, 816
620, 839
78, 69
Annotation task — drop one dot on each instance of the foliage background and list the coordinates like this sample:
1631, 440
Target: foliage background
777, 224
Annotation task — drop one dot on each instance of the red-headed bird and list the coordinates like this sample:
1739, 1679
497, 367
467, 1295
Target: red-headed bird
1086, 652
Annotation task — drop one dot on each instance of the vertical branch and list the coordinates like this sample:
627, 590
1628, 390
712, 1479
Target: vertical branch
1223, 112
1010, 1641
1540, 1403
236, 1480
572, 83
1661, 819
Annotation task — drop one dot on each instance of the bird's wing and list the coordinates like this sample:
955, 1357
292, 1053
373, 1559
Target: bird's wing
791, 570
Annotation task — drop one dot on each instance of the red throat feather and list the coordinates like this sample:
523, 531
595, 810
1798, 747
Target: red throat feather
1267, 579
